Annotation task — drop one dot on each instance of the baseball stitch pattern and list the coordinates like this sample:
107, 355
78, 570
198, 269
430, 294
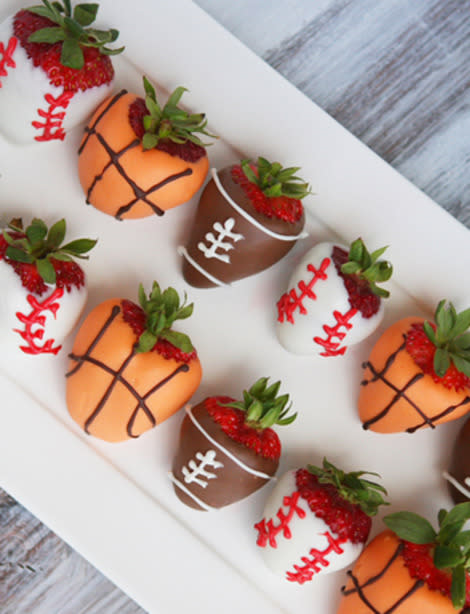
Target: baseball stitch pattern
319, 559
119, 376
36, 318
267, 531
6, 56
52, 126
403, 394
114, 156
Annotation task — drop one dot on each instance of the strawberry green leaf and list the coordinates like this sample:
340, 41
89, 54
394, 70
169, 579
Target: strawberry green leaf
79, 246
36, 232
47, 35
147, 341
411, 527
446, 556
56, 234
72, 55
430, 333
461, 364
46, 270
459, 514
68, 7
85, 14
367, 267
458, 587
441, 361
179, 340
18, 255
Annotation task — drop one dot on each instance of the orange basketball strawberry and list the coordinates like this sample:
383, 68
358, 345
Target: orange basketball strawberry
411, 568
138, 159
418, 373
129, 370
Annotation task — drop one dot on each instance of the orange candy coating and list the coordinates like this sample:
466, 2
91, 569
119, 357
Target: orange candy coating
380, 582
396, 395
116, 394
122, 179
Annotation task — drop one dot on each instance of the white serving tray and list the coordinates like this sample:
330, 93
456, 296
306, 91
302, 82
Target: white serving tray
114, 503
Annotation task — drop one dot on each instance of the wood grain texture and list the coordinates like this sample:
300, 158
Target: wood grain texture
396, 74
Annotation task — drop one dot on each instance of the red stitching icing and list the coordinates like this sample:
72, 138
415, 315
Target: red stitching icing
332, 348
7, 56
267, 530
53, 119
314, 565
289, 301
35, 318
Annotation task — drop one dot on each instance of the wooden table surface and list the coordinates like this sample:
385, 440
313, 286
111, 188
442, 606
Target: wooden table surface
395, 73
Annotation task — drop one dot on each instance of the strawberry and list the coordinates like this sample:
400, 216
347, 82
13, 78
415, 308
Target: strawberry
249, 216
138, 158
43, 287
317, 520
333, 299
458, 473
129, 370
418, 373
227, 448
65, 64
412, 568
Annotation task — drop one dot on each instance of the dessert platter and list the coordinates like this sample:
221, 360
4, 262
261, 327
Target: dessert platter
122, 484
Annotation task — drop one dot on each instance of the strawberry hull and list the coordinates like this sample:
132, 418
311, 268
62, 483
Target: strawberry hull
315, 315
295, 543
33, 324
210, 470
32, 109
230, 239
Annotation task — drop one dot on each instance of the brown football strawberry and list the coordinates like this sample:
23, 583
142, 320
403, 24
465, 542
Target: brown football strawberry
249, 216
317, 520
412, 569
43, 288
227, 448
418, 373
129, 370
138, 159
54, 70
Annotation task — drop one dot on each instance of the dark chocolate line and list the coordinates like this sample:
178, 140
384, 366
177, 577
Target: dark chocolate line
114, 313
130, 424
117, 378
437, 417
99, 177
399, 394
373, 579
154, 188
390, 360
91, 130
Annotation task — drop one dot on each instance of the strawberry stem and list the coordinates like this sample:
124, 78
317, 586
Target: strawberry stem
367, 267
274, 180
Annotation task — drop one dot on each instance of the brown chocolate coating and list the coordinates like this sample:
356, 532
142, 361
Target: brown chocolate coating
232, 482
254, 253
459, 468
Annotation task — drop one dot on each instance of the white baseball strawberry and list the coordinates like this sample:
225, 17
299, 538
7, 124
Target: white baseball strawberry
333, 299
43, 289
54, 70
317, 520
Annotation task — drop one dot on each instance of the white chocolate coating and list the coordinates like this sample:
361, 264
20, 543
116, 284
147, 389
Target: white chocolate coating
13, 300
23, 92
307, 533
331, 296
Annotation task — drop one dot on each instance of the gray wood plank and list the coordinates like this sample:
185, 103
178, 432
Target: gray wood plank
396, 74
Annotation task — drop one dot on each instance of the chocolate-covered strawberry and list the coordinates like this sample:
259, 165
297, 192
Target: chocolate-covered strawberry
412, 569
249, 216
317, 520
43, 288
418, 373
333, 299
227, 448
129, 370
54, 70
458, 473
138, 158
